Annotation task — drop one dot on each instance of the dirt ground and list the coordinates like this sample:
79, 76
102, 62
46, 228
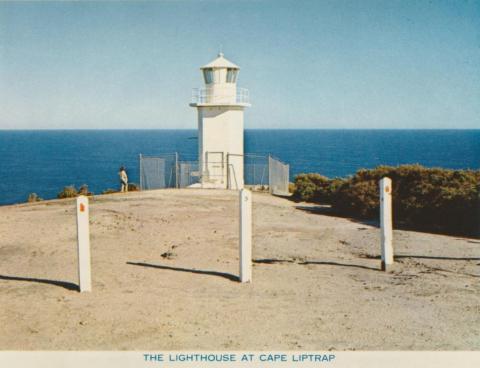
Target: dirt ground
165, 266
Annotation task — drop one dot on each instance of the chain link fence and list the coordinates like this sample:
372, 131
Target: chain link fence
255, 170
158, 172
189, 173
167, 171
278, 176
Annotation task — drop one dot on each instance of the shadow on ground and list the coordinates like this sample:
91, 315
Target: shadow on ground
64, 284
272, 261
304, 263
327, 263
225, 275
400, 256
327, 211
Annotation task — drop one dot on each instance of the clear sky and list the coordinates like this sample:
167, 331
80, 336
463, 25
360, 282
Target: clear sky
307, 64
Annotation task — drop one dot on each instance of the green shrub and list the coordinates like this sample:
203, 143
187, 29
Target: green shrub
68, 192
359, 199
71, 192
429, 199
84, 190
316, 188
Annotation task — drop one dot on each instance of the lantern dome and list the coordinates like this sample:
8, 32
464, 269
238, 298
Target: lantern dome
220, 62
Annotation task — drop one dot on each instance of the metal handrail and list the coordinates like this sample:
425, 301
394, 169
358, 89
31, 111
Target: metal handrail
205, 95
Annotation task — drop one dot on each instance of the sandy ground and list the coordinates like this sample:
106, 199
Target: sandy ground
164, 267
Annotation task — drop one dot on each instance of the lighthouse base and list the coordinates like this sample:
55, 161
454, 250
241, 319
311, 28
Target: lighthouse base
222, 179
220, 145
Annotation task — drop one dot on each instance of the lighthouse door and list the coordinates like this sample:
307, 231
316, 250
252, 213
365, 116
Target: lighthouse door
214, 169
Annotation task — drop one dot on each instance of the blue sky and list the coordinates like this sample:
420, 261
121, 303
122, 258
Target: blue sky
307, 64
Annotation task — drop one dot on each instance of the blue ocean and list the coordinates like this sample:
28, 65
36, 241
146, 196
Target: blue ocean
45, 161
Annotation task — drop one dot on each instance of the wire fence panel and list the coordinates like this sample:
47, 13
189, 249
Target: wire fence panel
158, 172
278, 176
167, 171
235, 171
188, 173
255, 170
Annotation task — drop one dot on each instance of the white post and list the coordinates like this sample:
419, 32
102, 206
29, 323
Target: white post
245, 235
386, 222
83, 236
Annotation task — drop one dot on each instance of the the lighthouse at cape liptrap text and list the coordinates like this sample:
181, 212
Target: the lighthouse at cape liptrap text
220, 105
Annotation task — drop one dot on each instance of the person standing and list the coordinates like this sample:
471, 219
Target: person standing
123, 179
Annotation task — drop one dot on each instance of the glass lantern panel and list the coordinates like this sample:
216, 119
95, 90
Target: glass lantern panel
208, 76
231, 75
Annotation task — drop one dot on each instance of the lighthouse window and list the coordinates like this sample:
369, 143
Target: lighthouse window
231, 75
208, 75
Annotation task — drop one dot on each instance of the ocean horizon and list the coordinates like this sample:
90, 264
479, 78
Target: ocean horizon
44, 161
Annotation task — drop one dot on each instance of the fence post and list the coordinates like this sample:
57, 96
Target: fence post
270, 189
228, 172
141, 173
83, 243
245, 235
386, 222
176, 171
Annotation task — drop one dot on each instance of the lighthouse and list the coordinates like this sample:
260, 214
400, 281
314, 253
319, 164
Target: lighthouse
220, 105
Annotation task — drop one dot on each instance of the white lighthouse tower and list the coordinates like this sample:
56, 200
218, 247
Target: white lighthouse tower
220, 106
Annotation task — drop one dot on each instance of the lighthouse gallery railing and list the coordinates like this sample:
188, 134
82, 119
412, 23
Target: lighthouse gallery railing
206, 95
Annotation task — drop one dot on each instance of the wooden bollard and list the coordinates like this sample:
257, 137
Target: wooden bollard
245, 235
386, 223
83, 237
